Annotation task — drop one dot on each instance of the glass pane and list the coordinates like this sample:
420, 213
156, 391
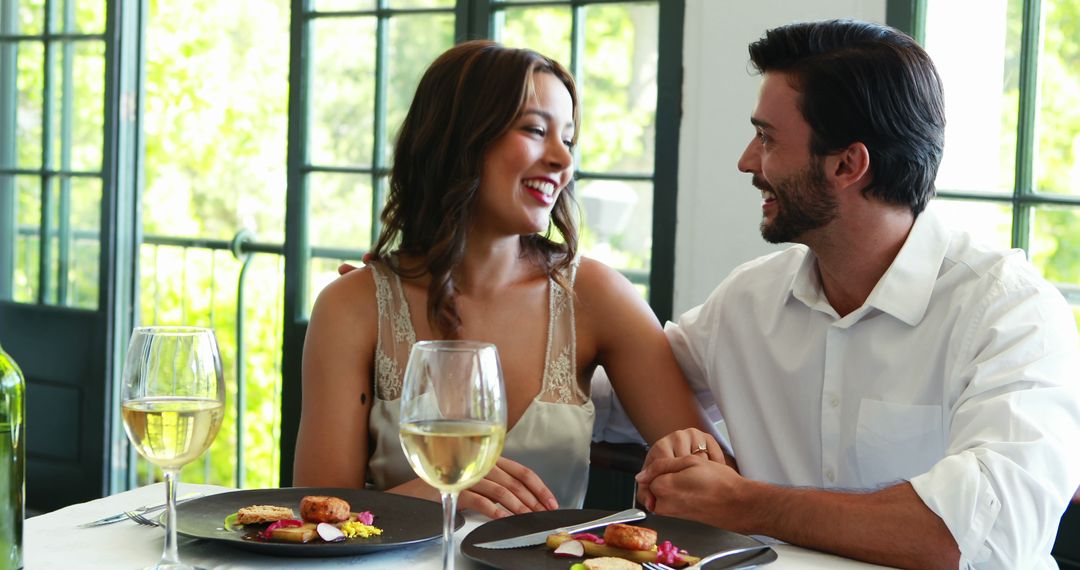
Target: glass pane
546, 30
988, 222
415, 41
342, 91
29, 106
216, 119
87, 105
340, 210
1057, 153
83, 265
1056, 231
28, 238
617, 216
618, 86
31, 17
981, 77
343, 5
89, 16
78, 125
397, 4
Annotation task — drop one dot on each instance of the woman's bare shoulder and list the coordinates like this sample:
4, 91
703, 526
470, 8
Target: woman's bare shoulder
596, 280
348, 295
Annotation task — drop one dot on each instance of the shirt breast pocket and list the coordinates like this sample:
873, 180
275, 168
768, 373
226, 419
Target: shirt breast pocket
895, 442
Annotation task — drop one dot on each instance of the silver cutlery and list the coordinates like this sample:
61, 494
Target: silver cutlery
141, 510
541, 536
710, 558
139, 518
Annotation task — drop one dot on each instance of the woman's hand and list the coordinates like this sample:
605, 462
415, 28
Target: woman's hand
686, 442
510, 488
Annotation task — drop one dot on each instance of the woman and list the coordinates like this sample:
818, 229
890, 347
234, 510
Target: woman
482, 176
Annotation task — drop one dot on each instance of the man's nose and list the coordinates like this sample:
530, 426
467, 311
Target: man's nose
750, 160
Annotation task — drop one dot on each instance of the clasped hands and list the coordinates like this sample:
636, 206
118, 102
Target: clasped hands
686, 475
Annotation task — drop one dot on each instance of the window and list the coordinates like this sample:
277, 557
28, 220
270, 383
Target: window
52, 69
252, 144
1011, 169
355, 105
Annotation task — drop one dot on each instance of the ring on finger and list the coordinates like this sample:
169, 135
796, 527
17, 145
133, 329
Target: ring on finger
701, 448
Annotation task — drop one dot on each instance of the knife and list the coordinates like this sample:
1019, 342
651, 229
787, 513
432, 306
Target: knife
144, 509
541, 537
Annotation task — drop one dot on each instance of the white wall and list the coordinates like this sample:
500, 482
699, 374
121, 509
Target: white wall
719, 210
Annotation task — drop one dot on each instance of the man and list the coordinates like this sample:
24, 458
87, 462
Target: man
893, 392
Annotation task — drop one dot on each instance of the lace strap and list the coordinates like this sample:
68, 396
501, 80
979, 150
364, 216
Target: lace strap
395, 330
560, 359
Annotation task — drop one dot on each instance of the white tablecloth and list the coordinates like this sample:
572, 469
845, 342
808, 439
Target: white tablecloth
52, 541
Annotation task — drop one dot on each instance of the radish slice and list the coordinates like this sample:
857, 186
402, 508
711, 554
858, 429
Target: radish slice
570, 549
329, 532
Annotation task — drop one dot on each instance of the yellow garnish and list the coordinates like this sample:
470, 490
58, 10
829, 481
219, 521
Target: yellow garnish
353, 529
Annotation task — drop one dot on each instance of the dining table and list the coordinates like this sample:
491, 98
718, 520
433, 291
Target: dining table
53, 540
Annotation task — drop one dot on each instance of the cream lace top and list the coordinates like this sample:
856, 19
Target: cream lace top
553, 435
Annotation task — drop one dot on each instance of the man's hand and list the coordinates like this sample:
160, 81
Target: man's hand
347, 267
692, 487
681, 443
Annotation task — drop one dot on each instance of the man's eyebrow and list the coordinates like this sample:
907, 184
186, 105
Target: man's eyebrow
546, 116
760, 123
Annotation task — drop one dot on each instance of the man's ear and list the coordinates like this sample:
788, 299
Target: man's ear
850, 166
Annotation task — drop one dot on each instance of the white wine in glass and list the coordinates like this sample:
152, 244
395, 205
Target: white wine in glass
453, 420
173, 404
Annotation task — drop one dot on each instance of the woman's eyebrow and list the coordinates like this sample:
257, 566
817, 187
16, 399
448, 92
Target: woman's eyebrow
546, 116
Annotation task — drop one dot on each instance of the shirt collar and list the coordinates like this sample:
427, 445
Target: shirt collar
904, 290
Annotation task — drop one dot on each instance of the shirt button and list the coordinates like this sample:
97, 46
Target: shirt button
834, 401
830, 475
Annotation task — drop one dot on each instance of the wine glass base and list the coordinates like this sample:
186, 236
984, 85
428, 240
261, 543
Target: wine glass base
177, 566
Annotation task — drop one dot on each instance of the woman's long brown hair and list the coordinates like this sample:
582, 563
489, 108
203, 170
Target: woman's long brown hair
469, 97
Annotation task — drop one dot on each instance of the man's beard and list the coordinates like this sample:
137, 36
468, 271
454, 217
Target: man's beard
803, 203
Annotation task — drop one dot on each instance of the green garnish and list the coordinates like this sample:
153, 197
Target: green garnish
231, 524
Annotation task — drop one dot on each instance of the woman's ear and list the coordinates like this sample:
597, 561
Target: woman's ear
850, 166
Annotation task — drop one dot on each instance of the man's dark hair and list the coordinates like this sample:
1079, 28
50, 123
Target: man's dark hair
868, 83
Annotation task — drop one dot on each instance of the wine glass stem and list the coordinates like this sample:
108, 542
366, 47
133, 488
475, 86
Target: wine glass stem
449, 505
170, 555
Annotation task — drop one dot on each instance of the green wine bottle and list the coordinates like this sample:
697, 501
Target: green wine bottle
12, 462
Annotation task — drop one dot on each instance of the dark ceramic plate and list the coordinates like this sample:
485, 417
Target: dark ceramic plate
696, 538
404, 520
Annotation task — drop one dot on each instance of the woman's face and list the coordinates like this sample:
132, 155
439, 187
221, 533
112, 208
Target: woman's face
526, 168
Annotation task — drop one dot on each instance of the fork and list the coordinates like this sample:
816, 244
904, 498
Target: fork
139, 518
709, 558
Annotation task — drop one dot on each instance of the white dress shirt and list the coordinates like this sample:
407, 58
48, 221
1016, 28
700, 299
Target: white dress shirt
958, 374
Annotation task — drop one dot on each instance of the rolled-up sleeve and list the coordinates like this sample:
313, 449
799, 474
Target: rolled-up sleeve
1011, 464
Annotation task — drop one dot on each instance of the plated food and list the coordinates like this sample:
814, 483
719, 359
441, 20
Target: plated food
635, 544
696, 538
322, 517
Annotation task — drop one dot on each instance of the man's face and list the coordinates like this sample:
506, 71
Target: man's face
796, 196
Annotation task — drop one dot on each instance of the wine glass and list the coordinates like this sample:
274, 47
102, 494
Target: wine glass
453, 419
173, 403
